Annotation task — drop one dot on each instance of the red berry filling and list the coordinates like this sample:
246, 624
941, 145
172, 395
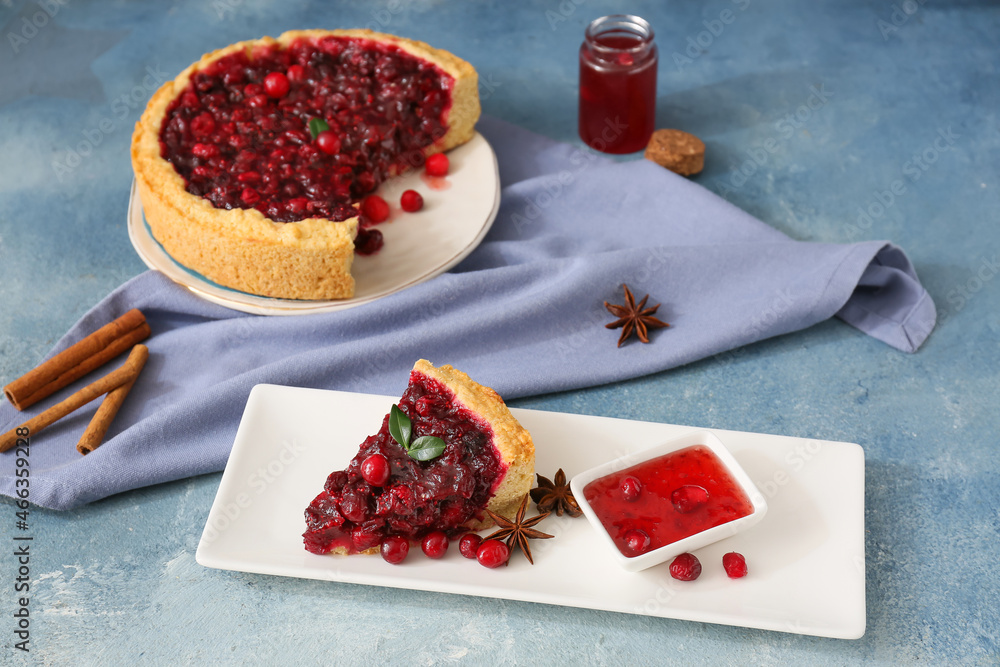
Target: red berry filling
239, 134
631, 489
418, 498
685, 567
735, 564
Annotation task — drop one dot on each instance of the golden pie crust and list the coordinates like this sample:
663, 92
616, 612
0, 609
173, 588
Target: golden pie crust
242, 248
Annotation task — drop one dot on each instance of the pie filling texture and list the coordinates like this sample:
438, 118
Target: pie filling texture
447, 493
241, 143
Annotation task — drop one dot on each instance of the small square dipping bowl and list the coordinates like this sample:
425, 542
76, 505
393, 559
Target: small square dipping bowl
693, 542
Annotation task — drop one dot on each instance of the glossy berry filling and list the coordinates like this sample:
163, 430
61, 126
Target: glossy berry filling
239, 134
418, 498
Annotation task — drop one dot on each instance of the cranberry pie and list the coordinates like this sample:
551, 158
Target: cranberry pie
251, 163
486, 461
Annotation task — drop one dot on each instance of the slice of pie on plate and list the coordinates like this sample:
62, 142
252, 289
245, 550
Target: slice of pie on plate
487, 463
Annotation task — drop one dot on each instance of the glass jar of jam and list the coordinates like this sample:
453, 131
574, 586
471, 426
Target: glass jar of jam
617, 84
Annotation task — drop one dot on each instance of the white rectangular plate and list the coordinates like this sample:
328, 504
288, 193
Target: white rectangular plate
806, 558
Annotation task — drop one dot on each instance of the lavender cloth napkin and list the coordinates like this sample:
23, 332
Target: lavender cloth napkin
524, 314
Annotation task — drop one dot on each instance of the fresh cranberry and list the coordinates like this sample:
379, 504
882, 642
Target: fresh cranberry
435, 544
276, 85
368, 241
631, 488
735, 564
411, 201
364, 539
258, 101
328, 142
437, 165
395, 548
637, 541
249, 196
688, 498
469, 545
685, 567
492, 553
375, 209
375, 470
296, 73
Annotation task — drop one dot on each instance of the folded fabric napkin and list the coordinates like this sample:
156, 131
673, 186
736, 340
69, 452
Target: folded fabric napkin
523, 313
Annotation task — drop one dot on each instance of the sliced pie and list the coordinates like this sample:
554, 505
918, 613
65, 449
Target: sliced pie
250, 164
487, 463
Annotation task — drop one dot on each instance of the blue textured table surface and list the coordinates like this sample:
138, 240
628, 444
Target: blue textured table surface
832, 121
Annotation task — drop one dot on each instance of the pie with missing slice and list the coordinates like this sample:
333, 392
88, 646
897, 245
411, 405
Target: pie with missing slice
251, 163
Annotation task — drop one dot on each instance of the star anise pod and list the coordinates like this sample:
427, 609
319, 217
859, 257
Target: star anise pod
555, 497
634, 317
518, 531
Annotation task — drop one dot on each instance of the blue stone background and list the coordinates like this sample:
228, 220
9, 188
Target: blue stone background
812, 113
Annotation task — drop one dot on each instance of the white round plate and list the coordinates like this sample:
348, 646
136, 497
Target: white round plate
458, 212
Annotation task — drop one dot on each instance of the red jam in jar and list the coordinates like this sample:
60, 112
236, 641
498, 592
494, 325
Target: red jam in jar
680, 494
617, 84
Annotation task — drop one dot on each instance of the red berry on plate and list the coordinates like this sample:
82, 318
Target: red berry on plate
394, 549
631, 488
688, 498
276, 85
469, 545
435, 544
375, 470
368, 242
375, 208
685, 567
735, 564
492, 553
637, 541
411, 201
437, 165
296, 73
328, 142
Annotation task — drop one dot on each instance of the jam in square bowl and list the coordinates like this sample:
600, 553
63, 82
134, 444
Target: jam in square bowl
681, 495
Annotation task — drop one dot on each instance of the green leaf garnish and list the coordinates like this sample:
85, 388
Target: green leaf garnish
317, 125
424, 448
400, 426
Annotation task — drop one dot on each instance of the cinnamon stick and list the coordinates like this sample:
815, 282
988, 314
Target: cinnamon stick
77, 360
116, 378
99, 423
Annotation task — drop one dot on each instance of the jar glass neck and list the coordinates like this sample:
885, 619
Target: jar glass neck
619, 33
